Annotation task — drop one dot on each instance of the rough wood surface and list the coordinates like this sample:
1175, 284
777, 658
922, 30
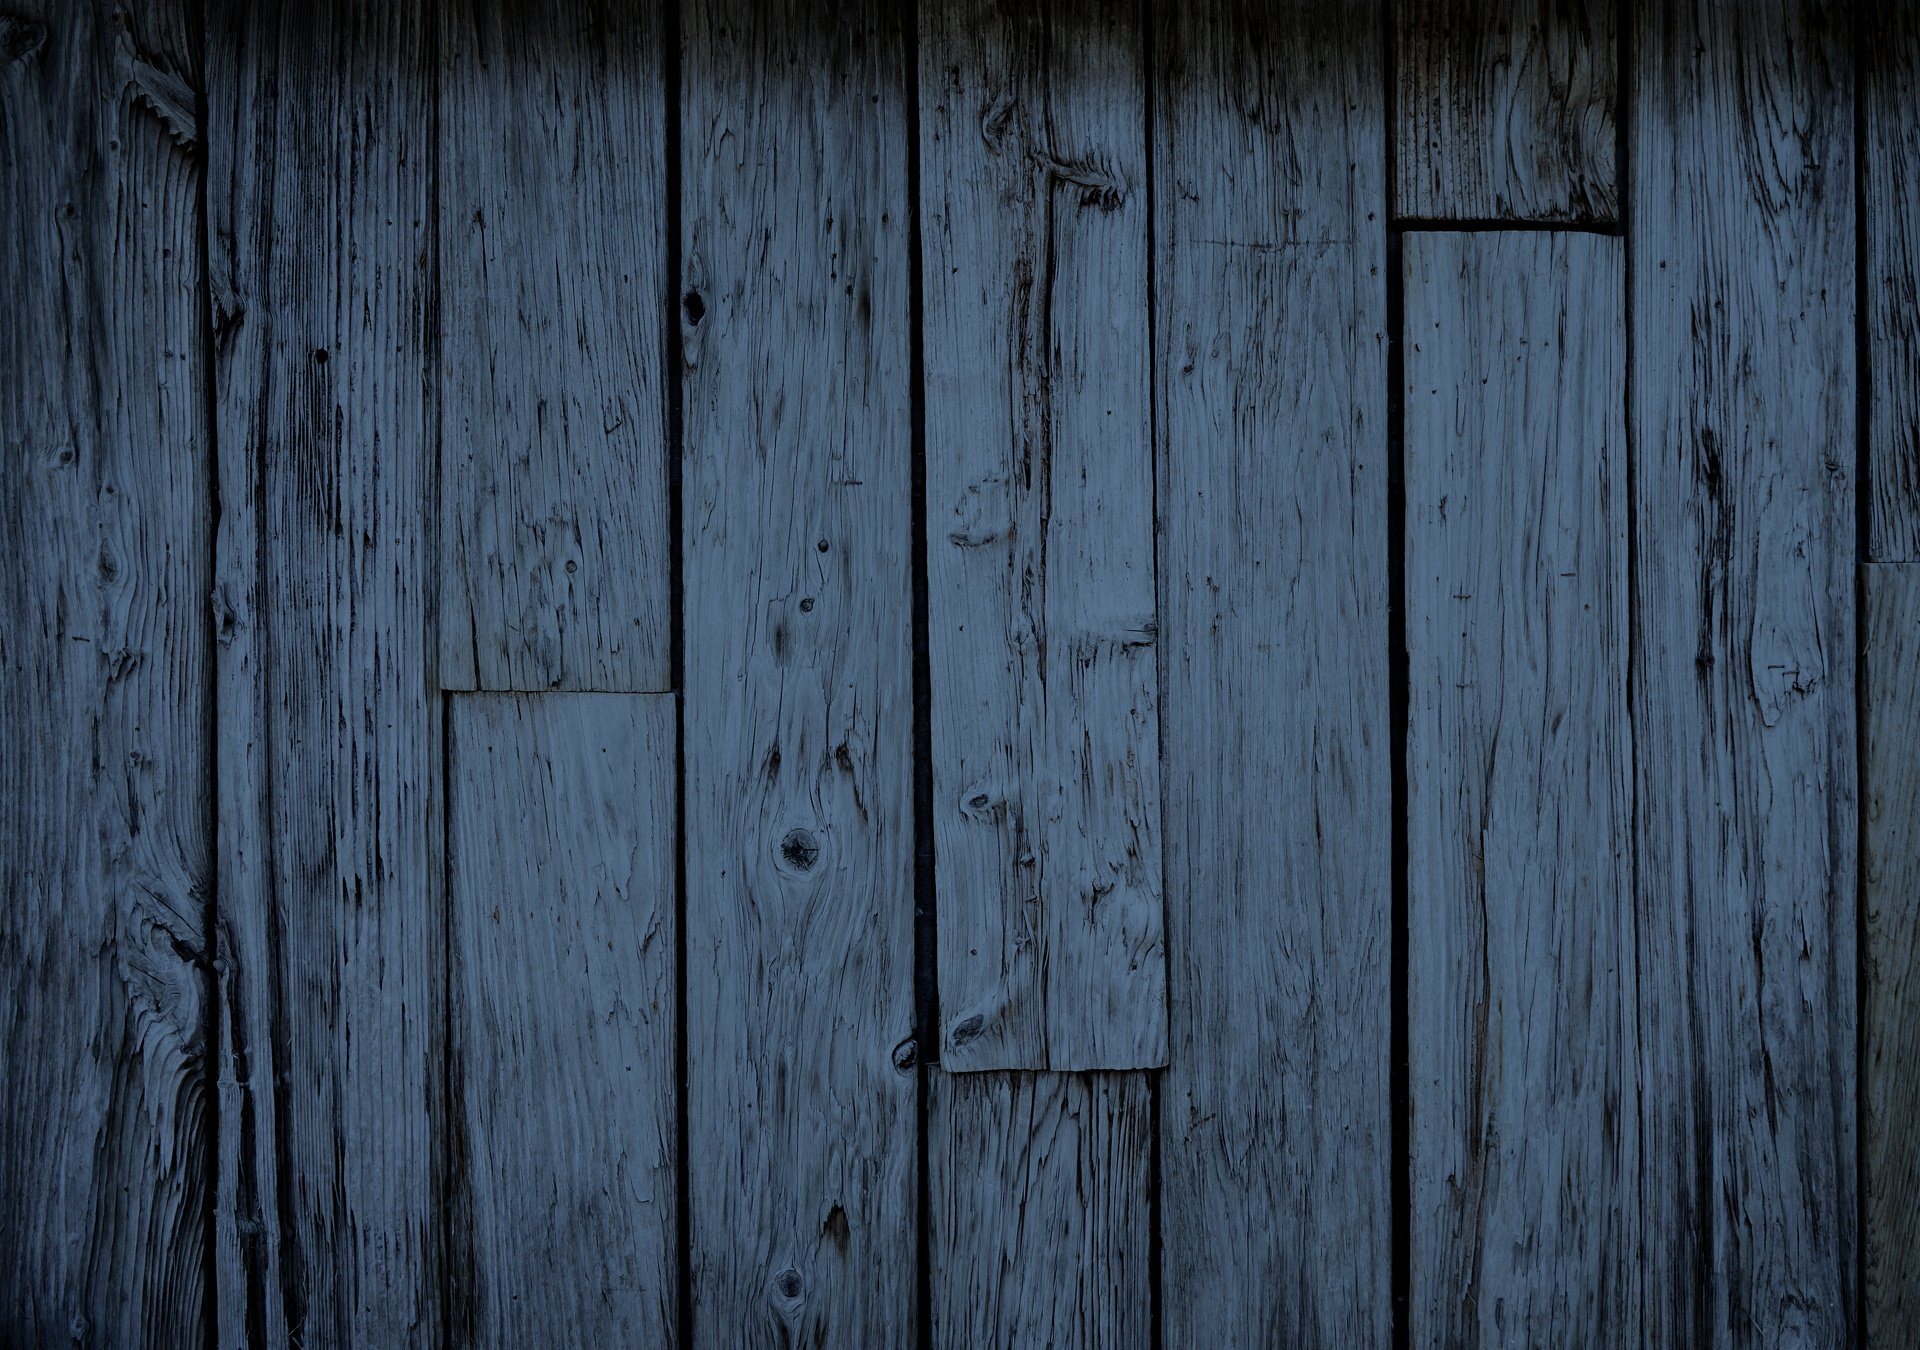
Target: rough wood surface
1041, 616
560, 856
331, 968
1275, 1118
1040, 1199
1505, 110
799, 686
104, 683
1519, 793
1890, 1086
1889, 91
552, 218
1743, 424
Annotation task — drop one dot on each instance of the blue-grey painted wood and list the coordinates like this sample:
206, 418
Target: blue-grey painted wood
799, 690
1276, 1128
1743, 422
105, 658
1520, 1004
330, 964
560, 857
554, 547
1889, 93
1041, 614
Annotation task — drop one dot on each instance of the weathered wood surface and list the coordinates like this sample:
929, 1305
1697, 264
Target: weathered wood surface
1505, 110
330, 964
1889, 91
1743, 423
104, 683
1276, 1128
799, 700
560, 856
1519, 793
553, 299
1040, 1200
1041, 615
1890, 1086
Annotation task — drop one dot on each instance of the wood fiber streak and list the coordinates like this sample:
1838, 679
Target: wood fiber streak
1519, 793
554, 546
560, 822
1743, 422
1506, 110
1042, 625
1040, 1205
331, 968
1891, 1064
105, 676
1271, 357
799, 694
1889, 90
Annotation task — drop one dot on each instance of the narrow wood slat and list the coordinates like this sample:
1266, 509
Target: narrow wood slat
1041, 618
1271, 360
553, 227
1889, 92
1743, 422
799, 688
330, 964
105, 674
560, 852
1890, 1086
1521, 1015
1040, 1209
1506, 110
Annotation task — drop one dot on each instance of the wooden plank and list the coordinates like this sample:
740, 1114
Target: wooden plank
1505, 110
799, 697
1040, 1196
1271, 363
1521, 1016
1889, 92
1041, 623
105, 678
331, 968
560, 852
1890, 1087
552, 217
1743, 427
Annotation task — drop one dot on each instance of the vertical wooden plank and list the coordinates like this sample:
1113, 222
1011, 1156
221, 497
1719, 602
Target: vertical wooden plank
552, 210
560, 851
330, 922
799, 690
1276, 1130
1042, 624
1521, 1008
1505, 110
1041, 1198
1890, 1088
1743, 427
1889, 91
104, 682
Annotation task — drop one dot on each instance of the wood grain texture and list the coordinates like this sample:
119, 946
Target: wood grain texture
1743, 424
1521, 1016
799, 697
1040, 1197
1276, 1128
1505, 110
105, 677
330, 958
1889, 93
1890, 1086
560, 852
1041, 619
553, 292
